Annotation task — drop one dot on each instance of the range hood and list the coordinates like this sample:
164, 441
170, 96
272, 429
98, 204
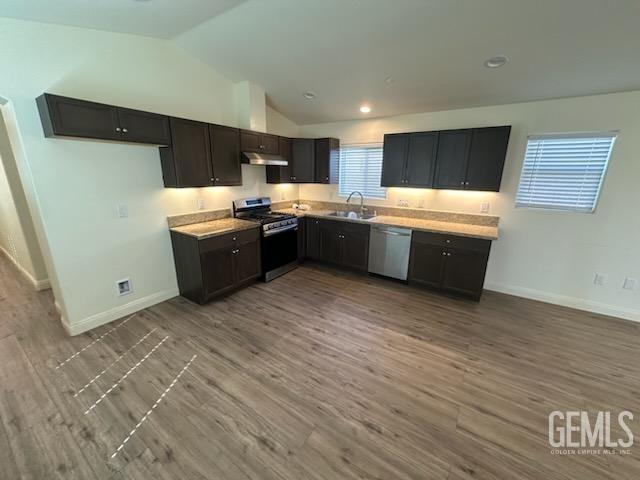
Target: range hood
264, 159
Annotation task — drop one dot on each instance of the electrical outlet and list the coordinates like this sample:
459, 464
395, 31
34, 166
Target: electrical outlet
282, 196
403, 203
600, 279
200, 203
629, 283
484, 207
123, 287
420, 203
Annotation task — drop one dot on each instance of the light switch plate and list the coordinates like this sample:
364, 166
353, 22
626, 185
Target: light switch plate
123, 211
629, 283
600, 279
200, 203
484, 207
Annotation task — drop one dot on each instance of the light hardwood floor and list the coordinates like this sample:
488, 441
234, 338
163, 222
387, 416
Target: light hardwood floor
320, 374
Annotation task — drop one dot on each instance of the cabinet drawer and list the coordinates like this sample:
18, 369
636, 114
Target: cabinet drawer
228, 240
451, 241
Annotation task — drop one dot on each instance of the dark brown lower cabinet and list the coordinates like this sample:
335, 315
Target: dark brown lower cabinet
302, 238
449, 263
343, 243
217, 265
312, 227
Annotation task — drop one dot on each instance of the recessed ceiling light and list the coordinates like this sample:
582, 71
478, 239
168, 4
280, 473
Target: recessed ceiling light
365, 109
309, 95
389, 79
495, 62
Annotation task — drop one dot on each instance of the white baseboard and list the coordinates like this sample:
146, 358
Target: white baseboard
38, 285
120, 311
566, 301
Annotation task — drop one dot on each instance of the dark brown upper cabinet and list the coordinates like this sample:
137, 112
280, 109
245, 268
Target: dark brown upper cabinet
70, 117
486, 158
144, 127
277, 174
394, 158
451, 163
225, 155
258, 142
327, 151
187, 163
472, 159
302, 160
409, 159
469, 159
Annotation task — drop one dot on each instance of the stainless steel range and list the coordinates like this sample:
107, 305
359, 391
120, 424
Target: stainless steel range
279, 235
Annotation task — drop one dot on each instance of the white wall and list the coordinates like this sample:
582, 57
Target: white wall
17, 232
548, 255
74, 186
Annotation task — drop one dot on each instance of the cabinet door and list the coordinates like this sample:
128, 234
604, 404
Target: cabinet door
451, 160
277, 174
225, 155
247, 262
313, 238
426, 264
250, 141
464, 271
144, 127
394, 157
302, 238
355, 248
303, 169
218, 271
421, 159
486, 158
70, 117
330, 243
326, 153
269, 144
187, 163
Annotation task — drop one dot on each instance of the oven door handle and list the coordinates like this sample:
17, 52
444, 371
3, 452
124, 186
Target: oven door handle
268, 233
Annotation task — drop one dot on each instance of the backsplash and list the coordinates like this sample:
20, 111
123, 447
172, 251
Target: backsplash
467, 218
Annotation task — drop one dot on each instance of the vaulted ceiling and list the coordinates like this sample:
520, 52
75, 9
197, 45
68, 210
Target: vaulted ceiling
398, 56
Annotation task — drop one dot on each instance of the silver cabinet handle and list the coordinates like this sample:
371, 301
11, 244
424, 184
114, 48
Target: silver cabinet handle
118, 129
124, 130
466, 183
211, 179
448, 241
444, 253
448, 254
235, 238
217, 179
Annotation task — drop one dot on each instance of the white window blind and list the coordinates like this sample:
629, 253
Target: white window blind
360, 169
564, 172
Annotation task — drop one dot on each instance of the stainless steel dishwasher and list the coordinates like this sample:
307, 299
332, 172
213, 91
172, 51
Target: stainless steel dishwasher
389, 251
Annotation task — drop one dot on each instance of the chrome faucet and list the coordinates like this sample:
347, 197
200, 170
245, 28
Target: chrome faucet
362, 209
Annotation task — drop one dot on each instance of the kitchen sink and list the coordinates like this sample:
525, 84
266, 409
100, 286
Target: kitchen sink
352, 214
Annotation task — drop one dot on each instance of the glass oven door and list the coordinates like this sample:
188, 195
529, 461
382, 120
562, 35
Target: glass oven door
279, 249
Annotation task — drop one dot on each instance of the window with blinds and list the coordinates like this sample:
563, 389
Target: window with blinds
564, 172
360, 169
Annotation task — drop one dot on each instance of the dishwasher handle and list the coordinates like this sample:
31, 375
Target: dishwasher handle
391, 232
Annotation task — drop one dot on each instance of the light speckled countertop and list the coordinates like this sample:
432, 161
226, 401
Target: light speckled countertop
213, 228
461, 229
